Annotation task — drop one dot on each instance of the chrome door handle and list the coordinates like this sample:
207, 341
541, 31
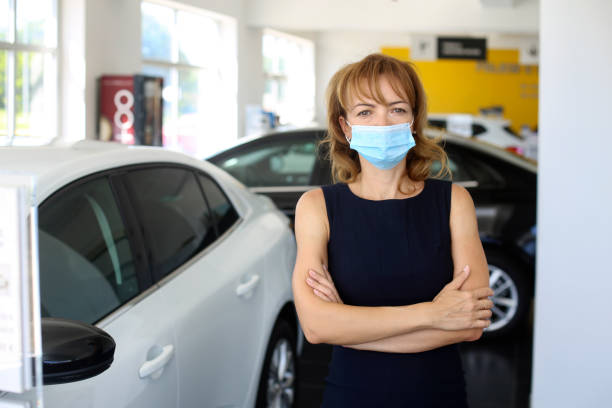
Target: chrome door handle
154, 367
247, 287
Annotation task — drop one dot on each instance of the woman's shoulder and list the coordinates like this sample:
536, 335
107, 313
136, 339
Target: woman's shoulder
311, 196
311, 201
311, 211
456, 192
460, 196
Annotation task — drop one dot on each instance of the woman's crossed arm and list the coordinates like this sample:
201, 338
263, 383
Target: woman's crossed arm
379, 328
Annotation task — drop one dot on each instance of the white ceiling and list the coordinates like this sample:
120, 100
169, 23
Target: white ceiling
418, 16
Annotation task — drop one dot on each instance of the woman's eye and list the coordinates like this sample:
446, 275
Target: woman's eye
364, 113
399, 110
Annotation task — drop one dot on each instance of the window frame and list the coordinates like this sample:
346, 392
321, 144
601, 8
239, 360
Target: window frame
12, 47
228, 27
283, 77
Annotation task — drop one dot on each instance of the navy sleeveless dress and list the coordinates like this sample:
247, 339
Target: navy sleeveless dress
391, 253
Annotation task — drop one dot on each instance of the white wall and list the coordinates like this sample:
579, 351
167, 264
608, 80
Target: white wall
71, 63
572, 364
399, 15
112, 46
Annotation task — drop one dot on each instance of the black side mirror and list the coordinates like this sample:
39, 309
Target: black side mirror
74, 351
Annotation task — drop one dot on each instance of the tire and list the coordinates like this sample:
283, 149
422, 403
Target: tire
512, 299
278, 385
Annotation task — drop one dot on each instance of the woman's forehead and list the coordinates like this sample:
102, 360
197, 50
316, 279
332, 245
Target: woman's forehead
380, 89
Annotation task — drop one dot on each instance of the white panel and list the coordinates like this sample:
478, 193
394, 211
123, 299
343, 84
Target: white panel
573, 334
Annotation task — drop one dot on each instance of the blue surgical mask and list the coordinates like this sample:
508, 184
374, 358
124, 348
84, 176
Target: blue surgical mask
383, 146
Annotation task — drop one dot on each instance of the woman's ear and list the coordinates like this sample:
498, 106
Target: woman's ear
346, 129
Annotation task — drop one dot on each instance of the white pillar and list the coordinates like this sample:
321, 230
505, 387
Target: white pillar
572, 364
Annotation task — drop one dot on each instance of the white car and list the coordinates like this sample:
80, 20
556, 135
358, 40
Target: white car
491, 130
187, 271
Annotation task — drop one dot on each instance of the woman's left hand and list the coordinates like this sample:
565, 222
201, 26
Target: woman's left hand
323, 285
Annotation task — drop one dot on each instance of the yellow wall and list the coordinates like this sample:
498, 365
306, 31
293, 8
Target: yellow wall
463, 86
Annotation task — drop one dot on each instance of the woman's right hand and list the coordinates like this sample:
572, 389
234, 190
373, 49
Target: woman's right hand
455, 309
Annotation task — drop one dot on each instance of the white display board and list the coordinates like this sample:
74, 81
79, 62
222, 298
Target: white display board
20, 338
460, 124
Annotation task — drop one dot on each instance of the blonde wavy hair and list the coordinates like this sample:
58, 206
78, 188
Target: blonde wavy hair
362, 79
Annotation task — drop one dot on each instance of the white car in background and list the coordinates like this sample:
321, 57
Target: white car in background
188, 272
491, 130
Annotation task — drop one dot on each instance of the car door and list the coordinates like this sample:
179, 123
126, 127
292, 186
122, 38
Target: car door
209, 278
91, 270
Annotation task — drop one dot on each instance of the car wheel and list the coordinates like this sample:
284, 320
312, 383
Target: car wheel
511, 296
278, 382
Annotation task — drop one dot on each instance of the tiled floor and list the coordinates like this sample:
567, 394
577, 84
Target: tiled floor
497, 372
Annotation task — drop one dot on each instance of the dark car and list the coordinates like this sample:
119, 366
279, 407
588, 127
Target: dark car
284, 165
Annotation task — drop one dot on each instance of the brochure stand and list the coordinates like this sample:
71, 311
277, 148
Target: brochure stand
21, 374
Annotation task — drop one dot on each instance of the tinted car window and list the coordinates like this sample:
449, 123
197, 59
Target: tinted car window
86, 263
175, 217
468, 166
483, 171
437, 123
456, 166
478, 129
222, 208
279, 163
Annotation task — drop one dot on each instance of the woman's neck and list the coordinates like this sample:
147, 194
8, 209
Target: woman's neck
375, 184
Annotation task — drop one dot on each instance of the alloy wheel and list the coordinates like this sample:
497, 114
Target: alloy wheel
505, 298
281, 376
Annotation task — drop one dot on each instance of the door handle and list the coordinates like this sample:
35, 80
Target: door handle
247, 287
154, 367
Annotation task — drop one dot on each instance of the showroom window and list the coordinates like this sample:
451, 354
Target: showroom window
194, 51
28, 71
289, 70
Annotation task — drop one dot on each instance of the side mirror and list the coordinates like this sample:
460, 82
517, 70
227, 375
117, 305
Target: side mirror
74, 351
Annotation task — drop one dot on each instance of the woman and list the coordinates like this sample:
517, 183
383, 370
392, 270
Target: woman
390, 268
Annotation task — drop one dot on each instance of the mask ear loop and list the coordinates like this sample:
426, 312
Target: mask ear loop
347, 139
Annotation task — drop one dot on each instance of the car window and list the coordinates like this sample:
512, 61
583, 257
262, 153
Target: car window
222, 208
437, 123
175, 217
456, 166
466, 166
86, 263
478, 129
483, 172
279, 163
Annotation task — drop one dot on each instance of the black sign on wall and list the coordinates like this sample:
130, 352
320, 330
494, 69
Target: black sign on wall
462, 48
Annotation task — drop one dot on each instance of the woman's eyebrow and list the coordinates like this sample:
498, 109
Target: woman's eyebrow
396, 102
369, 105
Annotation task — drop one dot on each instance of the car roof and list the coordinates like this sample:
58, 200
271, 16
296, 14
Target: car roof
53, 166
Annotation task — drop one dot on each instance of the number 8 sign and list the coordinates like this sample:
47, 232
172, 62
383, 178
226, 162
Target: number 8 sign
124, 110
